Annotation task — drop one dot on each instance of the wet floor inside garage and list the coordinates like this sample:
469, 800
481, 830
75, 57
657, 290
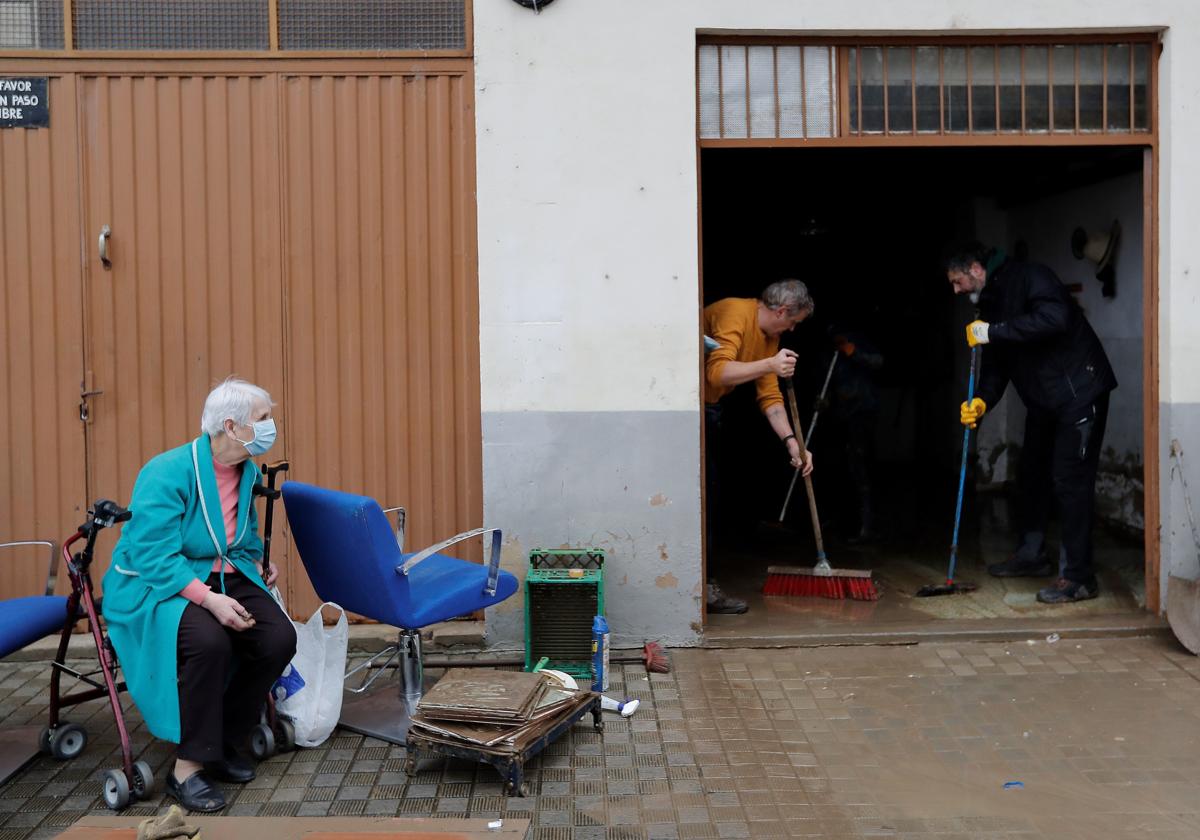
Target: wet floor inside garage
914, 551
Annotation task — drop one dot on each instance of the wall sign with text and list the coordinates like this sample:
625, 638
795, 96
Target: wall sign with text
24, 102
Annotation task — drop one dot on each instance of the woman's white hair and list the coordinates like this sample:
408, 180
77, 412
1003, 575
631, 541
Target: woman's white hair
233, 399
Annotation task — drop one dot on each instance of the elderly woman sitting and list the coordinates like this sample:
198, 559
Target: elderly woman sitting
198, 635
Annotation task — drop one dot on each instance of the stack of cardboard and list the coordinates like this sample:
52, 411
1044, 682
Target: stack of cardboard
500, 712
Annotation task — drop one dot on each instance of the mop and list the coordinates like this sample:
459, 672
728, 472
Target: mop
821, 580
952, 587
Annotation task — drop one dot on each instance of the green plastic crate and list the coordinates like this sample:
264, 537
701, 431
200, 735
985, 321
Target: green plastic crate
564, 591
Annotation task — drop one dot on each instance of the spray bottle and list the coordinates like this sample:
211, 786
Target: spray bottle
599, 654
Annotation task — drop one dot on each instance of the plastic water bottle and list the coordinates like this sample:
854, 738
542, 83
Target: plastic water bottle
599, 654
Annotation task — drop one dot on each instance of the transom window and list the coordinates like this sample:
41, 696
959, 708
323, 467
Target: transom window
753, 90
989, 88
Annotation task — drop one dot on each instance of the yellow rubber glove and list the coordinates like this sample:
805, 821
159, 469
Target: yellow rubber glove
970, 412
977, 333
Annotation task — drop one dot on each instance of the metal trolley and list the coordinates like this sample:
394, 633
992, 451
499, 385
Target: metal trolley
510, 765
134, 780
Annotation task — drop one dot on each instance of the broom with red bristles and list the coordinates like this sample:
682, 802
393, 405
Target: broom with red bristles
822, 580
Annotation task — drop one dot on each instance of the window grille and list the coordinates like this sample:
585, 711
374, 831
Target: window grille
1081, 88
31, 24
235, 25
767, 91
372, 24
170, 24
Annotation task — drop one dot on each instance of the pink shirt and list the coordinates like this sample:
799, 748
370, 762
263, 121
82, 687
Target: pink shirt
229, 480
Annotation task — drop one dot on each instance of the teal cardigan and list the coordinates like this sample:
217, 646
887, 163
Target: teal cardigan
166, 545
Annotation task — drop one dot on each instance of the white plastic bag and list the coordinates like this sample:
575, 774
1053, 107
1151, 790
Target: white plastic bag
309, 692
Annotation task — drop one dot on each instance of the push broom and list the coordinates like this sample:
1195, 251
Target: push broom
821, 580
951, 586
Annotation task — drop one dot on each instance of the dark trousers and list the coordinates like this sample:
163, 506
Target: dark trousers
1059, 462
224, 674
860, 463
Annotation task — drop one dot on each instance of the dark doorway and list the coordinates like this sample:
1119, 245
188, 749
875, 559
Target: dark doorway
865, 229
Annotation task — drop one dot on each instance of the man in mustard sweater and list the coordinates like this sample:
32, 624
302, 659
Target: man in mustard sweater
746, 331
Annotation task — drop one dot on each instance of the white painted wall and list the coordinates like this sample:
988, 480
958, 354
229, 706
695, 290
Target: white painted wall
587, 191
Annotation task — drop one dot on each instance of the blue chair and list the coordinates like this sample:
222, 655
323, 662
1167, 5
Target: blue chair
24, 621
355, 559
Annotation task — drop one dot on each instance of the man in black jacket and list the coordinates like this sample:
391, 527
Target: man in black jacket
1038, 338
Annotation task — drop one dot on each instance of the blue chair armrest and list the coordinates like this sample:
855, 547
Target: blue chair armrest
52, 569
493, 561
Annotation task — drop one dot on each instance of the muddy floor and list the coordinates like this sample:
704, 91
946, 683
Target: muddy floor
911, 550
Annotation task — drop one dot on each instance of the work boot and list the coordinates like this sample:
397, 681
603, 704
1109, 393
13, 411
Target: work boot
1018, 566
1068, 591
1028, 560
718, 602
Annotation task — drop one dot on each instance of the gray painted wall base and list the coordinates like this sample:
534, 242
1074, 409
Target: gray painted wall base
1180, 551
627, 482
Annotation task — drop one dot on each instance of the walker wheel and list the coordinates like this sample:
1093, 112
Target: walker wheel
410, 766
517, 790
116, 789
262, 742
67, 741
143, 781
285, 735
598, 726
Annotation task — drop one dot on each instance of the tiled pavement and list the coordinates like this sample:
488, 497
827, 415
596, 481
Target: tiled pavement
904, 741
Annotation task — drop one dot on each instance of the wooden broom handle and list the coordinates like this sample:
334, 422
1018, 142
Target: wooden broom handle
799, 432
797, 429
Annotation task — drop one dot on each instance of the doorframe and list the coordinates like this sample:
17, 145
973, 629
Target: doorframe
1148, 141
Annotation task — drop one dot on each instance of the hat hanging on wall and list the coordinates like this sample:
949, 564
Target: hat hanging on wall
536, 5
1100, 248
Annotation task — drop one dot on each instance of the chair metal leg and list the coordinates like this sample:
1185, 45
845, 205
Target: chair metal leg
385, 709
412, 672
391, 651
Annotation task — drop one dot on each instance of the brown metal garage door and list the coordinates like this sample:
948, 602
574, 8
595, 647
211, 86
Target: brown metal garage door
41, 353
309, 229
382, 297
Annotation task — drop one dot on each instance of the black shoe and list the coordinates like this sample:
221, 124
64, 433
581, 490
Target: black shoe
197, 792
718, 602
1068, 591
236, 770
1017, 566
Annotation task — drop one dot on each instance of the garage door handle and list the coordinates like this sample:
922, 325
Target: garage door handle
105, 233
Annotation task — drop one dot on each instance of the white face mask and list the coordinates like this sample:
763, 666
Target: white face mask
264, 437
974, 296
